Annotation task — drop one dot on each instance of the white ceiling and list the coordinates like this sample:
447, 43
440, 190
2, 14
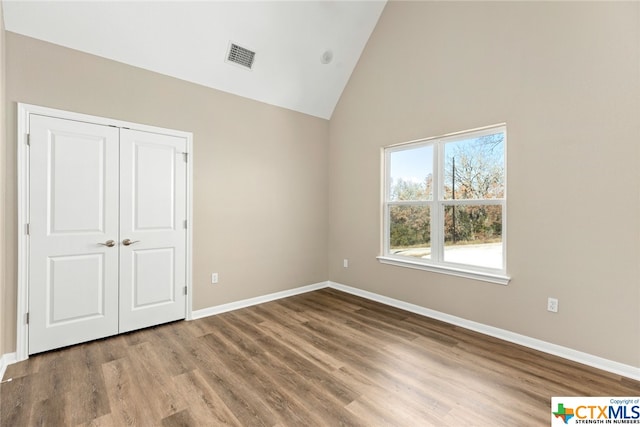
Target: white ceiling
189, 40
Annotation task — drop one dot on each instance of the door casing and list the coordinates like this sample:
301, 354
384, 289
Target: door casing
24, 112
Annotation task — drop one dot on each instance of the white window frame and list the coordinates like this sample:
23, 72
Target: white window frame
437, 205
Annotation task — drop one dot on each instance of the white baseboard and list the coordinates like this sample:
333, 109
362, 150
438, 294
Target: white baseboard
536, 344
546, 347
6, 360
223, 308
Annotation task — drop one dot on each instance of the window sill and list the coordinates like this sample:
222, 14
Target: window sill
497, 278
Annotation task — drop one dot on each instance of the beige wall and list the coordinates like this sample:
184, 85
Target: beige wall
565, 77
3, 212
260, 172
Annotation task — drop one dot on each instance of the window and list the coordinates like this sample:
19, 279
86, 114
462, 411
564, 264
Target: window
444, 204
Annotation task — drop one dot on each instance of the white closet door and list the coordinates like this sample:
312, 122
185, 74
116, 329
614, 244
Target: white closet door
73, 217
152, 217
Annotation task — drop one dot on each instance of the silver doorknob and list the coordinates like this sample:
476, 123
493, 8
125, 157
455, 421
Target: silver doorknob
108, 243
128, 242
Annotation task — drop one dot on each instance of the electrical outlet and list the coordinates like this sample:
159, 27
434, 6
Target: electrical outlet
552, 305
214, 278
345, 263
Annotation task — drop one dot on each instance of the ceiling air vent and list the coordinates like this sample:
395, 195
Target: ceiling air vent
241, 56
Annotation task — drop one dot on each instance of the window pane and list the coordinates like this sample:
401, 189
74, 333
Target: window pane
474, 168
410, 231
411, 174
473, 235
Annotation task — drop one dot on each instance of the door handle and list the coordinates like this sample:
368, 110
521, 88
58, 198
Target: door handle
128, 242
108, 243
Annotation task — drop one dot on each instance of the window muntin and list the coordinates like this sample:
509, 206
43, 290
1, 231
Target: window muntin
445, 201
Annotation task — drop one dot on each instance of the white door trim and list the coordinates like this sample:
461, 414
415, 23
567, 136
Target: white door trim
24, 111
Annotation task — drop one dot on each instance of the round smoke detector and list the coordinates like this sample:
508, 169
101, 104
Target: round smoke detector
326, 57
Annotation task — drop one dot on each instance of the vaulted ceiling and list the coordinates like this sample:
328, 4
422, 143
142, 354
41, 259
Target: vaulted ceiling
305, 51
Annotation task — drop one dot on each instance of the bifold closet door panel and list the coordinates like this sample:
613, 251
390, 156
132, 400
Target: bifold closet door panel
73, 232
152, 229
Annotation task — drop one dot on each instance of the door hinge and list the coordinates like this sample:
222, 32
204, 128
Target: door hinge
185, 223
27, 318
185, 290
186, 156
27, 229
29, 139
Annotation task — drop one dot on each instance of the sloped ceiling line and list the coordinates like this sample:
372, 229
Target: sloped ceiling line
190, 40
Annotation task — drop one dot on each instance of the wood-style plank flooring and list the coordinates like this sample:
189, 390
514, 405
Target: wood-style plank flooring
324, 358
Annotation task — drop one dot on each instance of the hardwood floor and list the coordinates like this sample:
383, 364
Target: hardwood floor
324, 358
